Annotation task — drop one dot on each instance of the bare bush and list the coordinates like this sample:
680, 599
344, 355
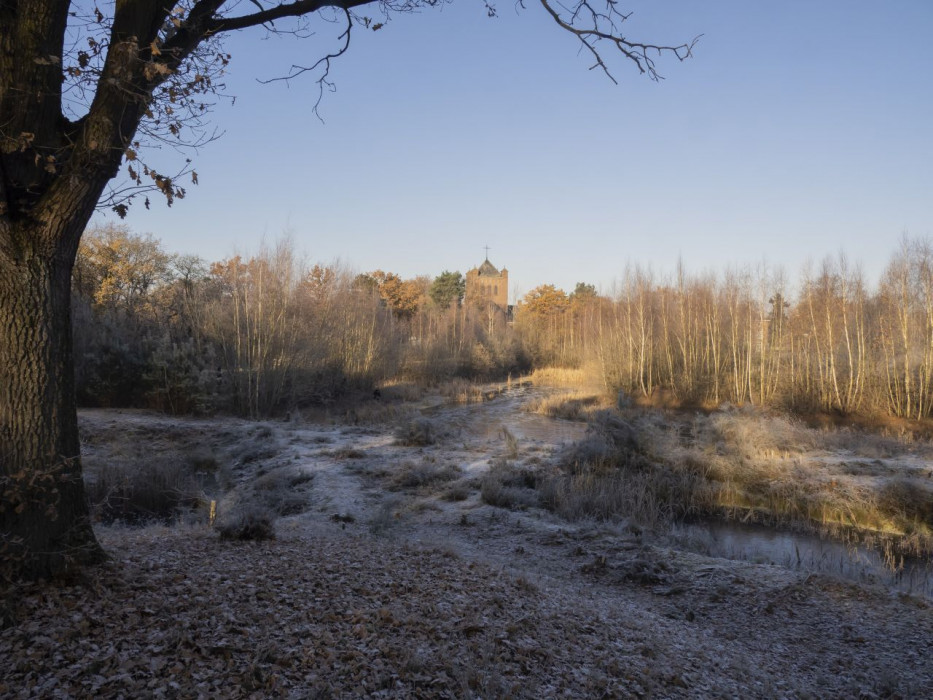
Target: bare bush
606, 476
278, 492
413, 475
139, 493
248, 521
509, 486
419, 432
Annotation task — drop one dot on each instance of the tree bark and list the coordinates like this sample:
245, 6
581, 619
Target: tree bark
44, 523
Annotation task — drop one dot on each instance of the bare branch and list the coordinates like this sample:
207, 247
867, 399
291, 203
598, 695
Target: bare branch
293, 9
323, 62
163, 86
592, 27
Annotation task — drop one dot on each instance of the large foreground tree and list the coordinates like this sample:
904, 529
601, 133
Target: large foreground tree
82, 87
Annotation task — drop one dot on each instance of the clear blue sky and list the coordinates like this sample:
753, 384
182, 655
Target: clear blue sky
798, 129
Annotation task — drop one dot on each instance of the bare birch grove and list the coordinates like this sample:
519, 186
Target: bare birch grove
266, 333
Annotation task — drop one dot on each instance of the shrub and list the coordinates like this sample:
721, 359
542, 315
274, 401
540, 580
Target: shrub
249, 521
607, 476
507, 486
415, 475
275, 492
157, 491
459, 491
417, 433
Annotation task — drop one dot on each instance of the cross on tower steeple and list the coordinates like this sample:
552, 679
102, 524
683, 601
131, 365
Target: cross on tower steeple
487, 252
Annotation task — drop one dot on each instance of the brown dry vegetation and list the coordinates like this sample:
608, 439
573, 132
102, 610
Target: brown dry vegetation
577, 405
748, 465
269, 334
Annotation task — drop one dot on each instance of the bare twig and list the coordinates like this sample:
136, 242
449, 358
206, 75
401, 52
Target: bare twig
592, 27
323, 63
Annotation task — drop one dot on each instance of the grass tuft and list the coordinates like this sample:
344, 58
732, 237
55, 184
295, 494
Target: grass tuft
507, 486
608, 476
461, 391
575, 406
415, 475
419, 432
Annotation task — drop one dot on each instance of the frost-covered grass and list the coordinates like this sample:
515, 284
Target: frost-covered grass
748, 465
149, 469
772, 468
647, 466
157, 489
507, 485
572, 405
608, 475
421, 474
461, 391
141, 467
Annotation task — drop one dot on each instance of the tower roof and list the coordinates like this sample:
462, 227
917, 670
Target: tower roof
487, 269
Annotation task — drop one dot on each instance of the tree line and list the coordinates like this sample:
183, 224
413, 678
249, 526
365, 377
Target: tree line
270, 332
266, 333
831, 344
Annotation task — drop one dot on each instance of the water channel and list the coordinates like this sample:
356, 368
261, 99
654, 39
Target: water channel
810, 553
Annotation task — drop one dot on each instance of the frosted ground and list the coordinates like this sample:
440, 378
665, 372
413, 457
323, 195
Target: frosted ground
392, 575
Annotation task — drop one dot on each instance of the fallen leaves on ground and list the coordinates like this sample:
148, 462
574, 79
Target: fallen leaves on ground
180, 613
334, 614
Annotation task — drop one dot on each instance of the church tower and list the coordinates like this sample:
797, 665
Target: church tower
486, 283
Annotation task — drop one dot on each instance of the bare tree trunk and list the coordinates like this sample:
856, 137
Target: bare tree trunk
926, 285
44, 523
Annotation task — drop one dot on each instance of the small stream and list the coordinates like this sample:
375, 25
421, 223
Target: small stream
803, 552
